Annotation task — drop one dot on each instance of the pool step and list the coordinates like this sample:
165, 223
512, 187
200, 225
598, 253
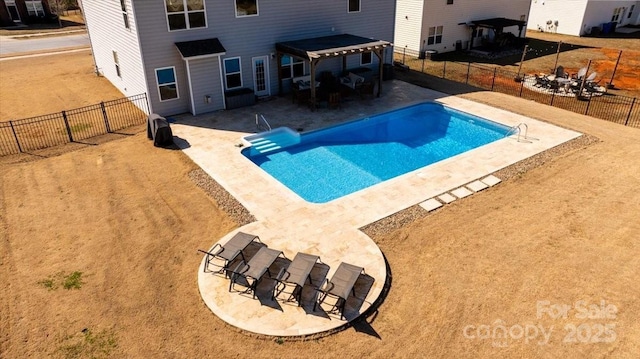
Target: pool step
272, 141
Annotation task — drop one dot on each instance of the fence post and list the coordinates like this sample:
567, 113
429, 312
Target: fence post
586, 110
106, 118
493, 80
444, 70
553, 96
15, 135
423, 65
468, 70
66, 124
521, 87
630, 110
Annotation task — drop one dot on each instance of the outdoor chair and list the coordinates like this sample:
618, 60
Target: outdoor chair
339, 287
253, 271
580, 74
560, 72
228, 252
334, 100
296, 274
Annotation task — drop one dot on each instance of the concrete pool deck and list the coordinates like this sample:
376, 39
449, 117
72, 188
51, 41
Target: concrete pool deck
330, 230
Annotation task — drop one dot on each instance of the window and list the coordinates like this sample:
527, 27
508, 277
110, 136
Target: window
34, 8
185, 14
291, 67
449, 2
616, 14
117, 63
123, 6
630, 11
353, 5
435, 35
232, 73
167, 85
246, 8
365, 58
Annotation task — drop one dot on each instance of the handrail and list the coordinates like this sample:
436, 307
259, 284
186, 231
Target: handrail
261, 128
518, 128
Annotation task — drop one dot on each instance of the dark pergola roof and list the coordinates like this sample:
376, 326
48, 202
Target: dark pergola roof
498, 23
200, 48
330, 46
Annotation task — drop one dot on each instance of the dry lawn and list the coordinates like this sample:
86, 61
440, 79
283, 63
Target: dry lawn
61, 82
126, 217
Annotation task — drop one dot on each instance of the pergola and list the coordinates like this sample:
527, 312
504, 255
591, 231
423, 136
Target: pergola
317, 49
497, 24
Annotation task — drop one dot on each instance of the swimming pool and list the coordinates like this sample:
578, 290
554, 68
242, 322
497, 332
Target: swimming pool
326, 164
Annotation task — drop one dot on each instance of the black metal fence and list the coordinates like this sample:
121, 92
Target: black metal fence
619, 109
72, 125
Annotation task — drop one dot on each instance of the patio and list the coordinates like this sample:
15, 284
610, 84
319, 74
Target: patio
285, 222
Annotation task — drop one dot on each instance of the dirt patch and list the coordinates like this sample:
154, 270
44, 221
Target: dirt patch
62, 82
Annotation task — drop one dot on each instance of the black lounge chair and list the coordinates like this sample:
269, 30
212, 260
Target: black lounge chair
254, 270
340, 287
296, 274
228, 252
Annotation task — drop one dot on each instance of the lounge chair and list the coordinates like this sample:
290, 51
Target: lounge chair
296, 274
228, 252
254, 270
340, 287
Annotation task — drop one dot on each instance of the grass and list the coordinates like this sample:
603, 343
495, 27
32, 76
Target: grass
87, 344
70, 281
80, 127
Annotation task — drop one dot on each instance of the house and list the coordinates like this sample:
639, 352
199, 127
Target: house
448, 25
582, 17
196, 55
15, 12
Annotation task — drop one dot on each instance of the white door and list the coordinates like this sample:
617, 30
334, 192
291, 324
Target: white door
261, 76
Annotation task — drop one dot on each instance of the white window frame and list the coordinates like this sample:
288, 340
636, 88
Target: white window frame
125, 14
32, 8
186, 13
175, 78
354, 11
294, 61
435, 35
362, 63
225, 73
116, 62
235, 2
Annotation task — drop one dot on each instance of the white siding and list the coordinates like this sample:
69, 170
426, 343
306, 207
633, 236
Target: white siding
601, 11
567, 14
108, 33
408, 25
438, 13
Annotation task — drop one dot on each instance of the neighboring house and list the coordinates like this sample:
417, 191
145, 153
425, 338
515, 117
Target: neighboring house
580, 17
189, 55
15, 12
448, 25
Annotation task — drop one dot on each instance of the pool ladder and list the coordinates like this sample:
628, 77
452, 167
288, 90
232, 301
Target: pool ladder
262, 126
518, 128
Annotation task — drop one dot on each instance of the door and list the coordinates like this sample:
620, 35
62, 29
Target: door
261, 76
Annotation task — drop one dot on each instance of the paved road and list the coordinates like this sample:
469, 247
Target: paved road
9, 46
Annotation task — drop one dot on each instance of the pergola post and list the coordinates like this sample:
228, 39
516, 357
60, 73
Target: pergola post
379, 54
279, 56
314, 63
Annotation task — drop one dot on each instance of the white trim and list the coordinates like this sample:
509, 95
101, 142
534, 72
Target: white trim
224, 98
224, 79
202, 56
235, 3
185, 12
175, 78
193, 105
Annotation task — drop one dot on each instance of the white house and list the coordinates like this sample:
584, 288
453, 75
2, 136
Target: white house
195, 55
447, 25
580, 17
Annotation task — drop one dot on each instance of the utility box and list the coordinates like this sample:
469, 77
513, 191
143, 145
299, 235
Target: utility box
159, 131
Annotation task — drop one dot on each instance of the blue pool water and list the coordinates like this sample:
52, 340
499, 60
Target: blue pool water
330, 163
